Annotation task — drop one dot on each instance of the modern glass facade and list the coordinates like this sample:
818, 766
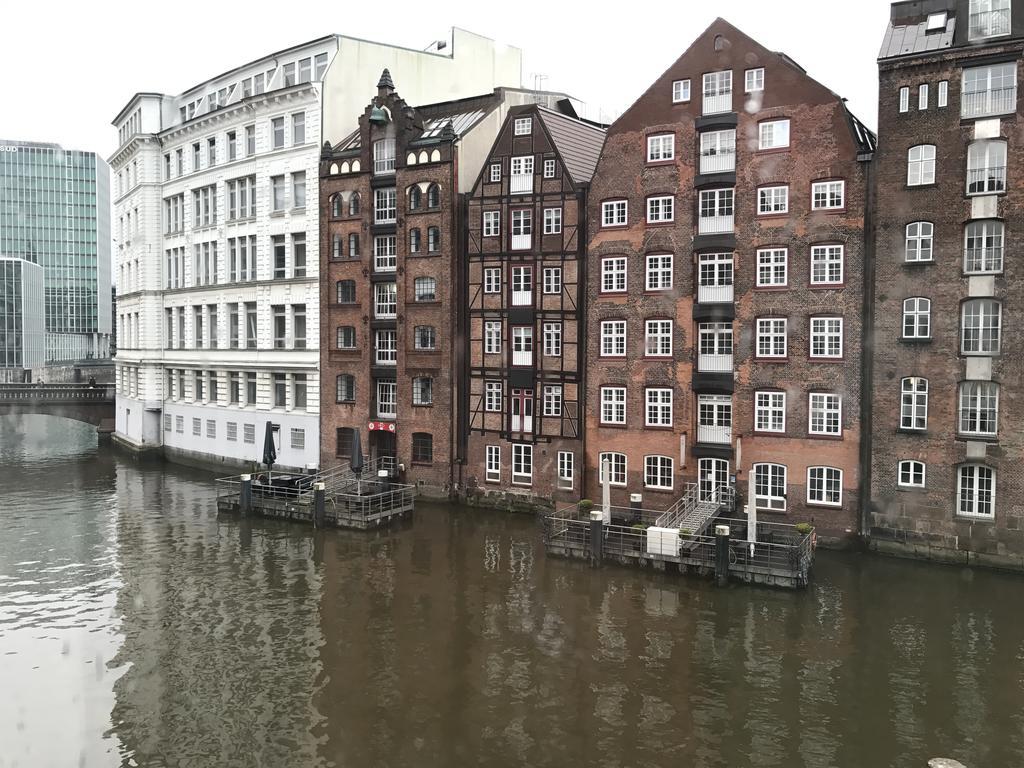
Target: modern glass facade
55, 212
22, 329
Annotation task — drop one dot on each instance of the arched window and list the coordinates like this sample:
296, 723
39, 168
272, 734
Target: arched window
336, 247
335, 205
422, 447
983, 247
979, 327
425, 337
425, 289
770, 487
433, 196
917, 318
914, 403
414, 241
658, 471
346, 291
346, 388
346, 337
986, 167
911, 474
414, 198
353, 204
617, 467
919, 241
976, 487
979, 408
921, 165
433, 239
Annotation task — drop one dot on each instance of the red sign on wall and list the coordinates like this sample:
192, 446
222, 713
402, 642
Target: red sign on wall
381, 426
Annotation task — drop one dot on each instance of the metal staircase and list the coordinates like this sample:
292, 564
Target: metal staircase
693, 513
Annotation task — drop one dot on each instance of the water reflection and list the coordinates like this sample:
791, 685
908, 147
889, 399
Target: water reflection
138, 628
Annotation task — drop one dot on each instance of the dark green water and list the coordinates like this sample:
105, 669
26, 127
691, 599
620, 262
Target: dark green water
137, 628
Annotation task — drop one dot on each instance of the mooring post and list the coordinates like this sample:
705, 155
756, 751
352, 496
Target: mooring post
596, 536
319, 504
636, 501
721, 555
245, 496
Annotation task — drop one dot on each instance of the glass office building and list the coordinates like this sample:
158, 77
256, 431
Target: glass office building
55, 212
22, 329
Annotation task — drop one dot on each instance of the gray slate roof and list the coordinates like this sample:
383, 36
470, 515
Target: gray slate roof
906, 40
579, 143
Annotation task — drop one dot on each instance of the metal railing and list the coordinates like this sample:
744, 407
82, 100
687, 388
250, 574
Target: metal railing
713, 434
710, 225
63, 393
714, 363
521, 242
992, 179
716, 103
993, 101
521, 183
715, 294
983, 259
717, 162
989, 24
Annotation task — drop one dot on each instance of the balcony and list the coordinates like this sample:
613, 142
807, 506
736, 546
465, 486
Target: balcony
521, 242
521, 183
386, 357
989, 24
717, 162
384, 215
715, 103
385, 312
715, 225
994, 101
522, 298
715, 294
387, 411
710, 435
714, 363
986, 180
522, 357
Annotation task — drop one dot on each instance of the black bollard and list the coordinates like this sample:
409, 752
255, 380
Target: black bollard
636, 501
319, 504
596, 537
245, 496
721, 555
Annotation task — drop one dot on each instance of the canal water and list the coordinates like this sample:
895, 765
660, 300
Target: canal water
138, 628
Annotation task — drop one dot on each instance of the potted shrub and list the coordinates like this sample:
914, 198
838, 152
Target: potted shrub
585, 506
803, 528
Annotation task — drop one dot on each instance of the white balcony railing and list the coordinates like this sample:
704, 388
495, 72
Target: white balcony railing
385, 311
521, 242
521, 183
717, 103
989, 24
714, 435
386, 357
995, 101
386, 411
522, 298
522, 357
719, 162
983, 180
713, 225
714, 294
714, 363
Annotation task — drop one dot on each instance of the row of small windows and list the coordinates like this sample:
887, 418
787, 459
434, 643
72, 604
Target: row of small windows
424, 289
239, 200
985, 91
385, 255
983, 245
980, 324
424, 338
297, 436
719, 84
422, 389
976, 486
414, 197
422, 445
287, 390
977, 410
986, 166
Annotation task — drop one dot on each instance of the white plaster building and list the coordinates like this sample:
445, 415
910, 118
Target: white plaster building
216, 203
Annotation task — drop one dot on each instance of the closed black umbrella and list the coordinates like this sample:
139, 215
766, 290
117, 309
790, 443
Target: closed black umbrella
356, 462
269, 451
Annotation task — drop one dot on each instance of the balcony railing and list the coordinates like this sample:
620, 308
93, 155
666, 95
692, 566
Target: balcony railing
386, 411
712, 225
522, 298
718, 162
981, 180
385, 263
714, 363
995, 101
717, 102
385, 215
521, 242
522, 357
989, 24
386, 357
983, 259
714, 435
385, 311
521, 183
714, 294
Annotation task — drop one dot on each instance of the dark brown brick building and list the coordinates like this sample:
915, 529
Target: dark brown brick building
946, 479
725, 289
525, 273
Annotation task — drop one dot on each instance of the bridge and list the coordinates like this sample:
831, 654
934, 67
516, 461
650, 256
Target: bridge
92, 404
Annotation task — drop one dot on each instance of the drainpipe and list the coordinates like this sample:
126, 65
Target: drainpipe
867, 348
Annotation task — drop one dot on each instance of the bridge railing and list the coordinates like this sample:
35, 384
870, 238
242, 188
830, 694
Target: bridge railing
63, 393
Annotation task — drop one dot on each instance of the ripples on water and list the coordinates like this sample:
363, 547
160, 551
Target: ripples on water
137, 628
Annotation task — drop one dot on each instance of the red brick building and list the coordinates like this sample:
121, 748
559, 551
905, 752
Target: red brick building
947, 440
525, 277
725, 290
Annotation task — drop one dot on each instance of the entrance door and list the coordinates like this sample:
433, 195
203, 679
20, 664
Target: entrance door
384, 447
713, 476
522, 410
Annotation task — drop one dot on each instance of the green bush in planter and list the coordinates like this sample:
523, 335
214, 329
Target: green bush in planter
639, 526
685, 532
585, 506
804, 528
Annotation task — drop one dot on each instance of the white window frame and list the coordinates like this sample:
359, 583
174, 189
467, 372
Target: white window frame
492, 337
614, 274
552, 281
659, 271
613, 338
552, 221
824, 407
827, 335
921, 165
918, 243
770, 412
493, 395
828, 195
618, 467
828, 264
982, 346
969, 485
827, 476
553, 400
991, 234
989, 9
492, 280
492, 224
765, 478
549, 169
566, 470
523, 126
917, 318
492, 464
922, 97
772, 329
655, 470
680, 91
914, 403
495, 172
613, 405
773, 201
661, 147
613, 213
912, 469
658, 337
978, 404
904, 99
772, 267
553, 339
658, 407
522, 464
753, 80
773, 134
660, 209
943, 94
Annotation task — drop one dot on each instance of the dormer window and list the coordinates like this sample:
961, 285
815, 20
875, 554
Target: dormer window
936, 22
523, 126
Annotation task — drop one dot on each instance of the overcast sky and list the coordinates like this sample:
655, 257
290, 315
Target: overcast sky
69, 67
